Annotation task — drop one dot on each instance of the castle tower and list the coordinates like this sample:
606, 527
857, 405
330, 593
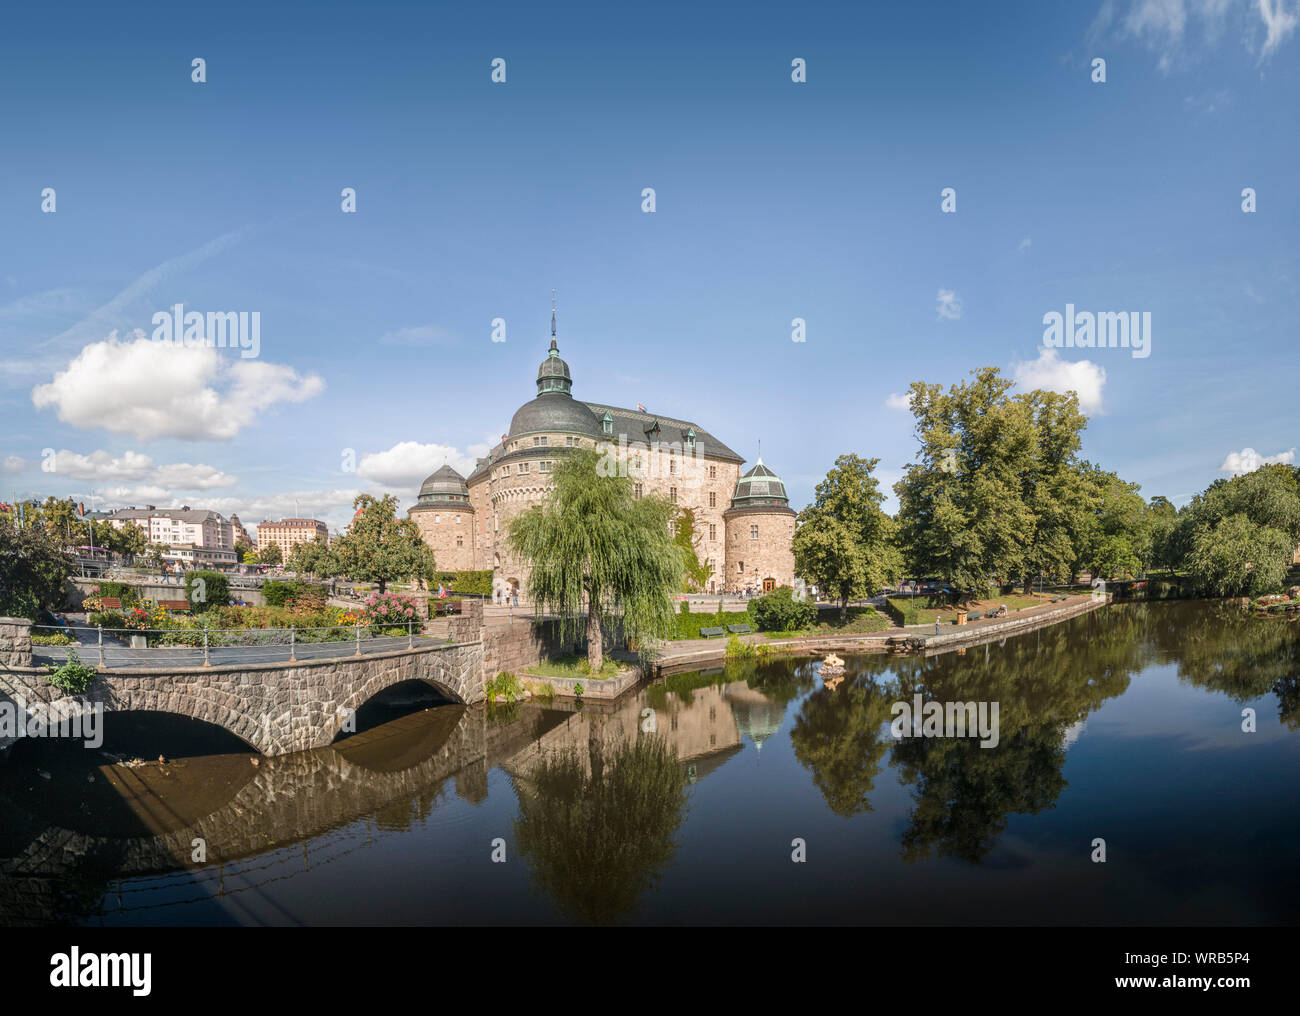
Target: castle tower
759, 531
447, 520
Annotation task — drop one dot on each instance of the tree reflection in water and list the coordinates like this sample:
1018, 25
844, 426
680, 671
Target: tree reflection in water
598, 826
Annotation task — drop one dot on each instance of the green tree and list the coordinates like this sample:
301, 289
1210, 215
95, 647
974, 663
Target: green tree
844, 542
312, 558
696, 571
962, 512
244, 552
592, 543
379, 547
1239, 557
61, 519
204, 589
33, 570
270, 554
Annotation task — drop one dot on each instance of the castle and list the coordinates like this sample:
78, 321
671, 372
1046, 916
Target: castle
743, 523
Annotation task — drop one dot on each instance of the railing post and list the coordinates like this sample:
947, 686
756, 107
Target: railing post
293, 633
205, 646
410, 634
358, 631
100, 629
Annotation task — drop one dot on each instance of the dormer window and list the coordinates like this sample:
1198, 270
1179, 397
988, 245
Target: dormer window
607, 424
690, 438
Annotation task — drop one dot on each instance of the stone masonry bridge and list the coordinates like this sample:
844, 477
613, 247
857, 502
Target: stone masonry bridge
276, 708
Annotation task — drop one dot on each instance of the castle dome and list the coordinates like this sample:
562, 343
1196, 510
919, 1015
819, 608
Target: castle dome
758, 488
554, 409
444, 487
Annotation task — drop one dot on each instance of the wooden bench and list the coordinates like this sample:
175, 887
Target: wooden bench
174, 605
110, 603
739, 629
712, 633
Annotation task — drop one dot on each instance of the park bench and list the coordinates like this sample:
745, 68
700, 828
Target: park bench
174, 605
739, 629
974, 615
110, 603
712, 633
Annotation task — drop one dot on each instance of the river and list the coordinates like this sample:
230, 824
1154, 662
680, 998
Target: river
745, 794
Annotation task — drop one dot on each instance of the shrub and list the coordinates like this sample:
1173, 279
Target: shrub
279, 592
74, 676
20, 603
391, 613
214, 590
476, 583
780, 611
106, 619
57, 639
123, 591
505, 686
688, 625
739, 650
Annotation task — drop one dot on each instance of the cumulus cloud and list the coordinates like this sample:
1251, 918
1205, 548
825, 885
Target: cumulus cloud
133, 467
1248, 460
150, 390
896, 401
407, 463
13, 464
949, 305
1083, 377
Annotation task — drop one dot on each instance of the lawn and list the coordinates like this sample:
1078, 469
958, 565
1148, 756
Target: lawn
860, 621
575, 667
924, 609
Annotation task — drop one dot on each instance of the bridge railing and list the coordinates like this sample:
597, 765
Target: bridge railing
159, 647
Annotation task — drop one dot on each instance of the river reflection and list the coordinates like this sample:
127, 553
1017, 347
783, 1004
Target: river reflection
684, 801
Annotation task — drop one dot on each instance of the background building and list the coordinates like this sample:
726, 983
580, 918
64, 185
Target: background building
288, 533
194, 537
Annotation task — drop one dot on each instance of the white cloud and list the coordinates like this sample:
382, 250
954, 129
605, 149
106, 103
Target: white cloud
407, 463
13, 464
150, 390
1279, 23
1248, 460
1082, 377
1025, 244
949, 305
132, 467
1165, 26
896, 401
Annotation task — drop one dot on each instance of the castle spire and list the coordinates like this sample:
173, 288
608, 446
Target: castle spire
553, 345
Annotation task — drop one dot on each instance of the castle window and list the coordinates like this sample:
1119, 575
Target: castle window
536, 441
545, 467
713, 531
740, 566
543, 442
753, 532
437, 519
672, 494
523, 467
690, 438
607, 424
713, 472
460, 541
672, 465
568, 442
636, 490
713, 499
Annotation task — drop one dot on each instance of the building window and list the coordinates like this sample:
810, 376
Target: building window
672, 494
713, 499
636, 490
523, 467
690, 438
753, 532
543, 442
460, 541
713, 531
437, 519
713, 472
672, 465
545, 467
740, 566
607, 424
568, 442
536, 440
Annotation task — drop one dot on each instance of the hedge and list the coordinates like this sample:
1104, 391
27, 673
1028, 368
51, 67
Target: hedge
478, 583
689, 625
915, 610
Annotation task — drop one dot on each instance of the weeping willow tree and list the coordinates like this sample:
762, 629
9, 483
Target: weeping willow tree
592, 545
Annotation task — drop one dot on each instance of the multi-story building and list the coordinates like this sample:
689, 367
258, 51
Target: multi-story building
288, 533
743, 524
241, 534
193, 537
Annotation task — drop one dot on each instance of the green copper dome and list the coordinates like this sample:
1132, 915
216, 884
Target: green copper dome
760, 486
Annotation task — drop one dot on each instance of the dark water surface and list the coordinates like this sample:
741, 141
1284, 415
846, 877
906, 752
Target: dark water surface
1123, 725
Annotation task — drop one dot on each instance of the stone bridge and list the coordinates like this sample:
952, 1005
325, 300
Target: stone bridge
275, 708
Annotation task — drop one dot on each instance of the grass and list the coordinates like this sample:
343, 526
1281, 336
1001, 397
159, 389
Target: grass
860, 621
576, 667
926, 609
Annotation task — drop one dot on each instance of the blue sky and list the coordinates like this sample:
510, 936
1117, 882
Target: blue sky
774, 200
